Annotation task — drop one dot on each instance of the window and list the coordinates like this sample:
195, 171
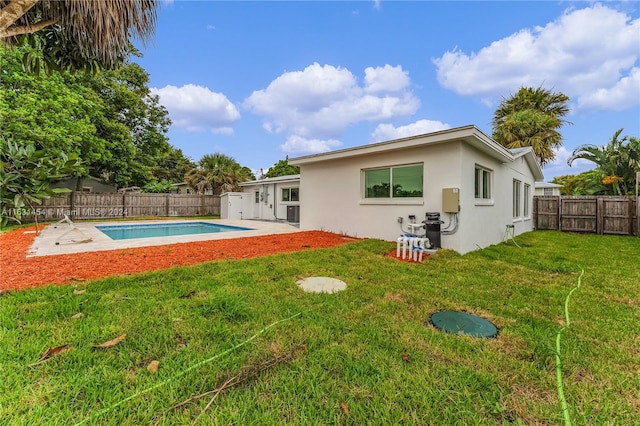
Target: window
516, 198
256, 196
290, 194
394, 182
548, 192
483, 183
527, 192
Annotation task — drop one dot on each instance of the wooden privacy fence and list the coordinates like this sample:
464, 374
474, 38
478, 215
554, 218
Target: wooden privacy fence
594, 214
111, 205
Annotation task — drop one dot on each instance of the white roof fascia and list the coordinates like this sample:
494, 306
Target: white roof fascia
277, 179
547, 185
532, 160
469, 134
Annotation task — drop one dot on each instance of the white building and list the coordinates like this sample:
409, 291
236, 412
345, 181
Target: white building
547, 189
275, 198
480, 188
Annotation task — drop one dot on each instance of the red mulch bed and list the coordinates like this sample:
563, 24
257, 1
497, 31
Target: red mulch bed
19, 272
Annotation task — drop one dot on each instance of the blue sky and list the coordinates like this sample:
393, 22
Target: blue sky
260, 81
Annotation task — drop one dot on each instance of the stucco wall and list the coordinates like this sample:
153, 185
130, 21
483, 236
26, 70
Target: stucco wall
271, 206
331, 195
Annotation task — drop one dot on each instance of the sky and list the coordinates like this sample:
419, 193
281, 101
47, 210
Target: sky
263, 81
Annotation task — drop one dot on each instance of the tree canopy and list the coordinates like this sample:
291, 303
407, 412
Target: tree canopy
531, 117
109, 120
25, 175
616, 163
76, 34
218, 173
282, 168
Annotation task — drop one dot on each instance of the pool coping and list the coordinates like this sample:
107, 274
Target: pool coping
82, 237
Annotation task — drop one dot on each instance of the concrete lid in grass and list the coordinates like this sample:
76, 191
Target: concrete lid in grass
321, 285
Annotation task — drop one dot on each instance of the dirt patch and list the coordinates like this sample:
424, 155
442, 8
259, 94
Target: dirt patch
19, 272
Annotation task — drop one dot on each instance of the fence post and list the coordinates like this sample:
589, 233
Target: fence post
600, 215
124, 203
166, 205
630, 212
72, 205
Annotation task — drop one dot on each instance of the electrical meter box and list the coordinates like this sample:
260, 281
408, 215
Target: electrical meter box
450, 200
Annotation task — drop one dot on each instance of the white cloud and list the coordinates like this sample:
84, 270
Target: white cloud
321, 101
387, 132
590, 54
386, 79
196, 108
299, 145
624, 94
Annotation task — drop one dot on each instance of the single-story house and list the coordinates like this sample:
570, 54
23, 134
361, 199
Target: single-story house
276, 198
87, 184
184, 188
481, 190
547, 189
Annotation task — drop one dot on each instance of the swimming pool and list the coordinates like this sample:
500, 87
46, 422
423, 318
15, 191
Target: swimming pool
127, 232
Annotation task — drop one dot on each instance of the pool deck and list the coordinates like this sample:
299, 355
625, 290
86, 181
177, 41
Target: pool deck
82, 237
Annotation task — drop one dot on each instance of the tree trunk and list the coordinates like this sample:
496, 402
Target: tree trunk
11, 13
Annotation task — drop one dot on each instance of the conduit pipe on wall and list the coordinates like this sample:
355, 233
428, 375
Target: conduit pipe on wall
449, 230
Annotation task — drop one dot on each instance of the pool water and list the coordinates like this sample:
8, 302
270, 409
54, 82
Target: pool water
127, 232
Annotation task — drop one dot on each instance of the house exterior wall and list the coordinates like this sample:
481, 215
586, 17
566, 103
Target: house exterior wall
332, 192
547, 191
484, 222
88, 185
332, 195
269, 205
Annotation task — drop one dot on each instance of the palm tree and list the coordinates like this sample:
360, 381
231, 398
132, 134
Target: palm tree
219, 173
617, 162
532, 117
72, 34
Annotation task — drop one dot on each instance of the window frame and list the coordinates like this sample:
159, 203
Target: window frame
392, 198
289, 191
526, 208
516, 197
483, 184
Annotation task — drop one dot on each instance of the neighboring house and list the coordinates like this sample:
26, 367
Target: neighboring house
184, 188
181, 188
547, 189
479, 188
88, 184
276, 198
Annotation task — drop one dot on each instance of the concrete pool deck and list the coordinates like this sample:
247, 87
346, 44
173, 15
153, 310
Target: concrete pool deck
82, 237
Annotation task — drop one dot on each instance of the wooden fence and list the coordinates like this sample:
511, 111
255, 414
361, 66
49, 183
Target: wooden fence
597, 214
111, 205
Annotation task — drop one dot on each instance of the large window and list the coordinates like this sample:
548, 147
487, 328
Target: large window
483, 183
290, 194
516, 198
394, 182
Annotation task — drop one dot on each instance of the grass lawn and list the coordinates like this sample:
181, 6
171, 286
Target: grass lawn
362, 356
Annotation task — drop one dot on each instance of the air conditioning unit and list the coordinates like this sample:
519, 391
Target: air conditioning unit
293, 214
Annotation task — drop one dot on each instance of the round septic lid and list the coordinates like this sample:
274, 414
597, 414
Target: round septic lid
461, 322
321, 285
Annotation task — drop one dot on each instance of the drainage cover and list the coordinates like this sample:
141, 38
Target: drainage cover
321, 285
461, 322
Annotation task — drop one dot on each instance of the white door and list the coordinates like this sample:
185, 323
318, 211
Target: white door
235, 206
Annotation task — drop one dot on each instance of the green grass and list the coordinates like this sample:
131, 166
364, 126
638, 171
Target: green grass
355, 340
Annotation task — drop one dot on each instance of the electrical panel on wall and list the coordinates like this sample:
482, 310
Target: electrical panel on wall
450, 200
